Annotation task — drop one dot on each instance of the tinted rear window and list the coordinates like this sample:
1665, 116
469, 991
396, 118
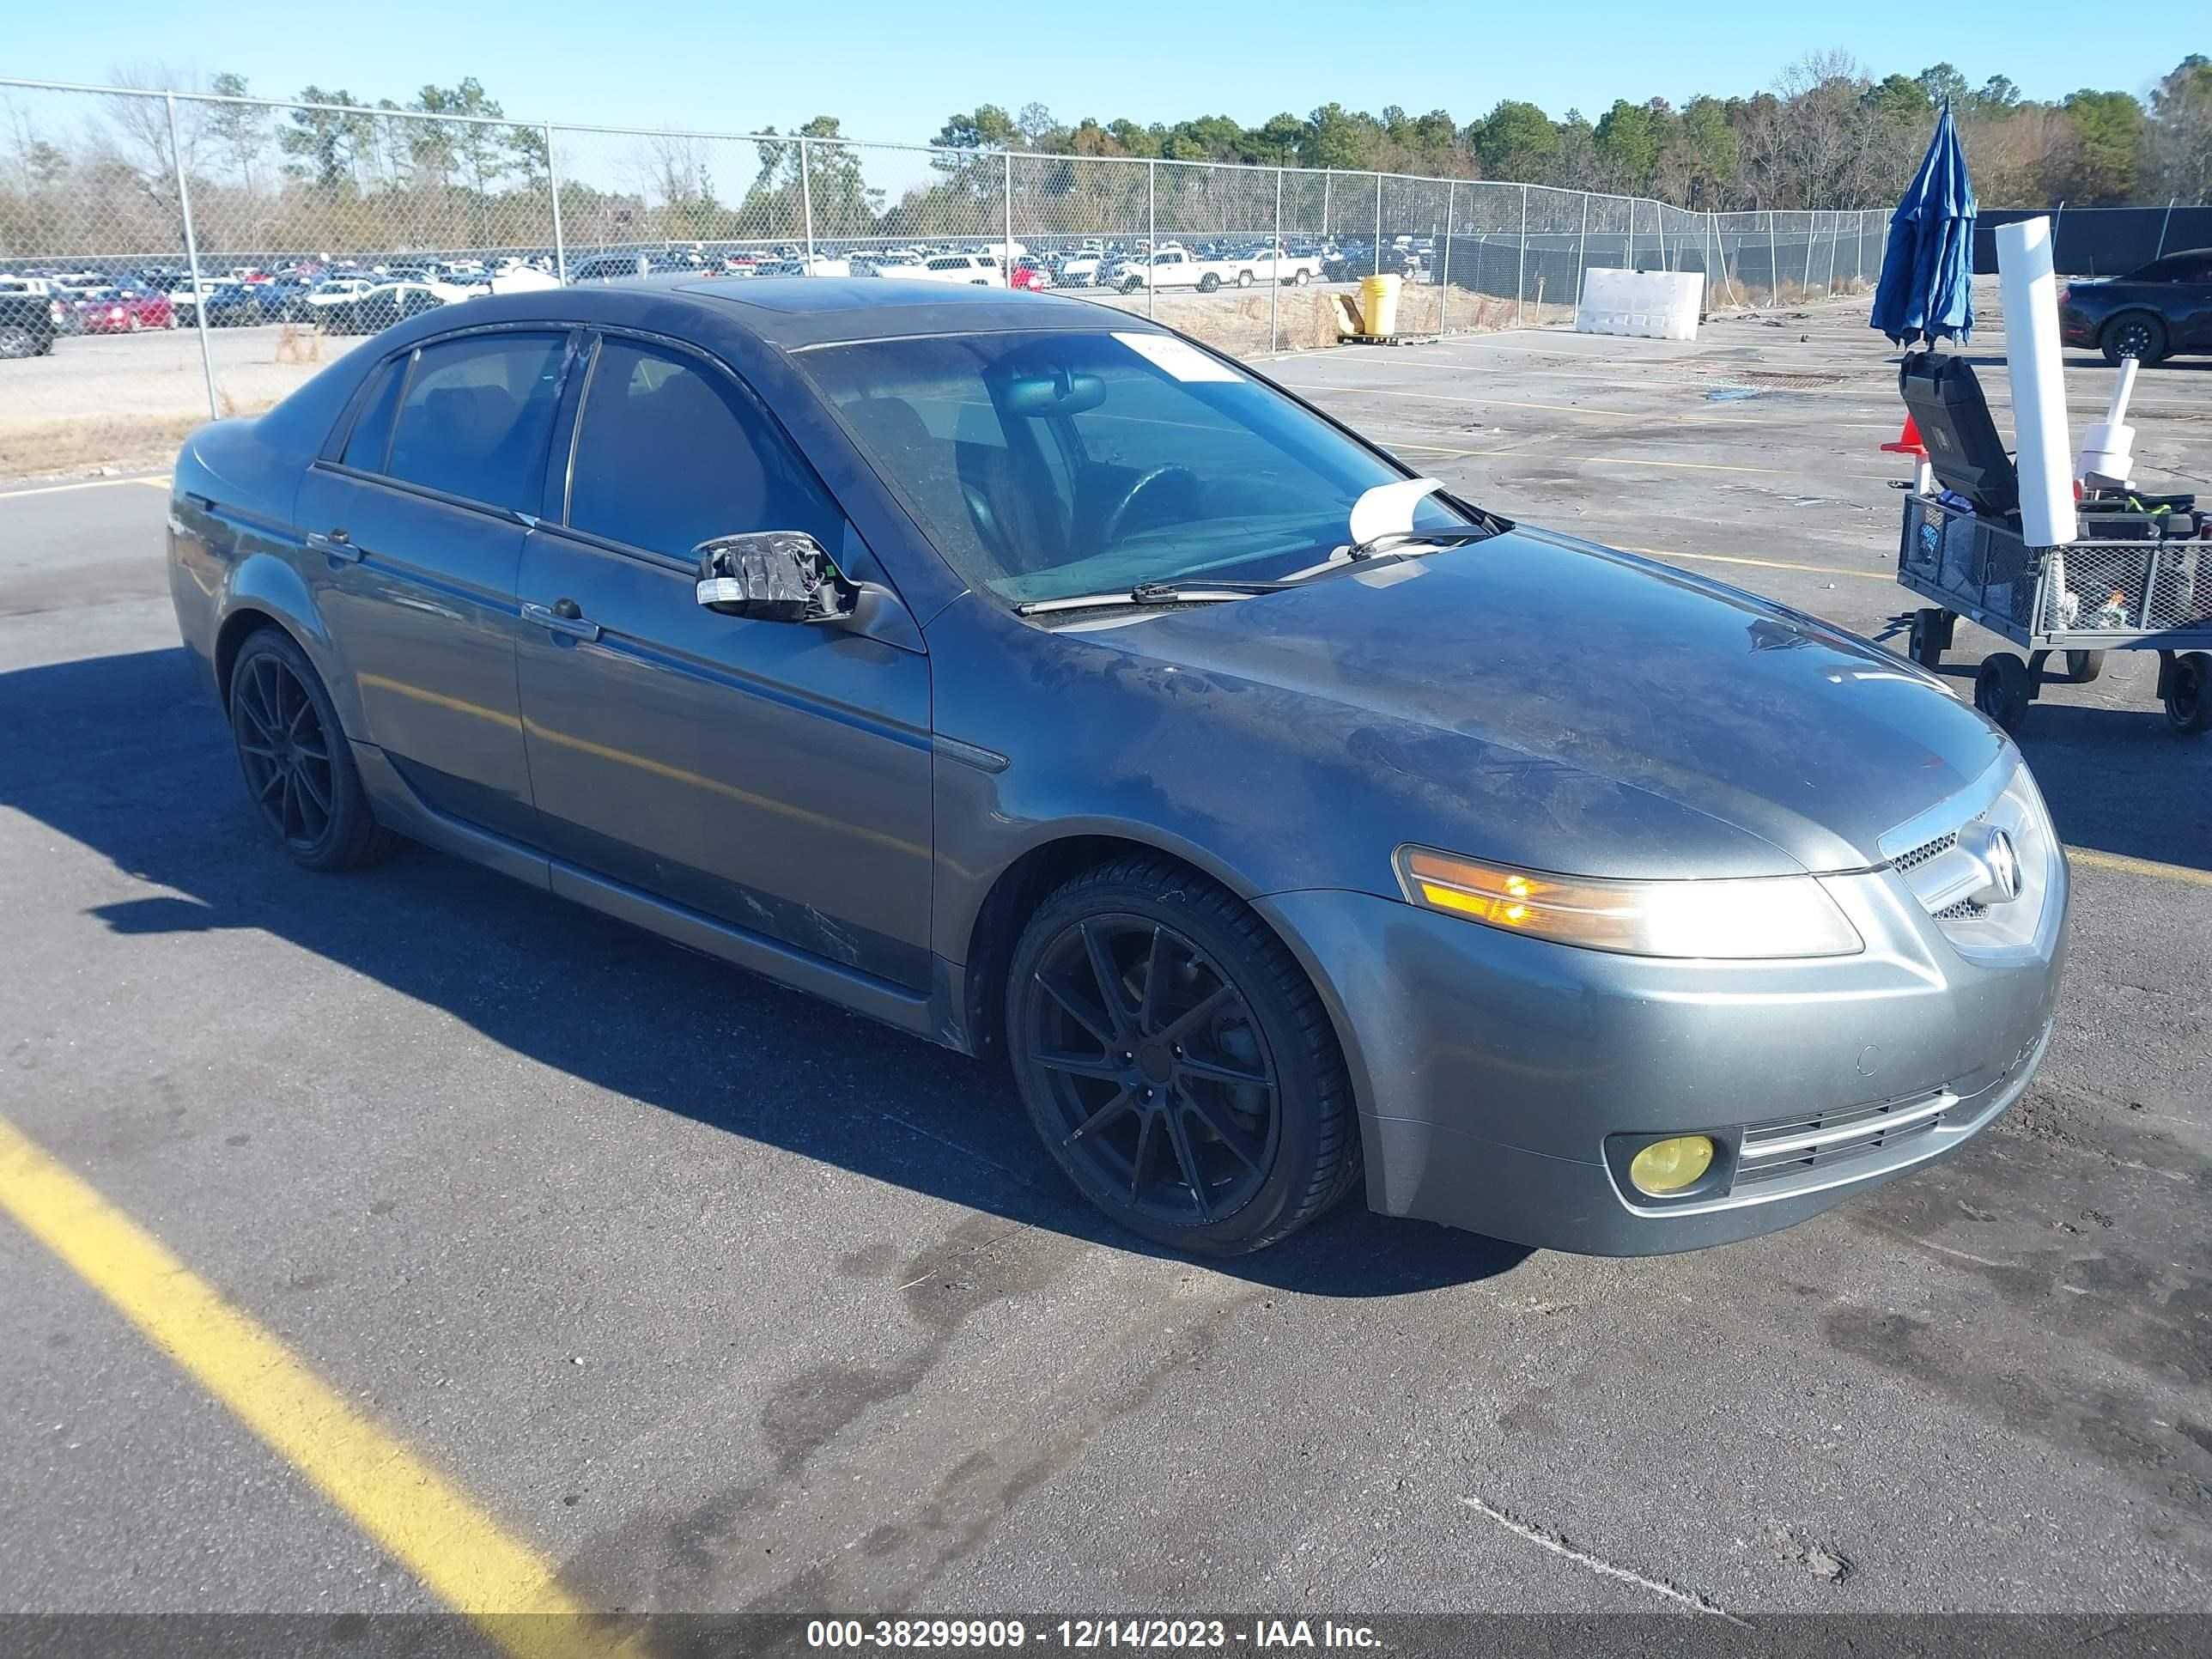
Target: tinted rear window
366, 445
476, 417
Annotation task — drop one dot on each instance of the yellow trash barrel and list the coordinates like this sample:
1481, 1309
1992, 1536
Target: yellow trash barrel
1378, 303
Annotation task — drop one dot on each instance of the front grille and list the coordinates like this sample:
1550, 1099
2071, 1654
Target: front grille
1928, 850
1774, 1151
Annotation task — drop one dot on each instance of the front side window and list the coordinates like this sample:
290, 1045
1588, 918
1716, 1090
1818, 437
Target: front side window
670, 453
1044, 466
476, 417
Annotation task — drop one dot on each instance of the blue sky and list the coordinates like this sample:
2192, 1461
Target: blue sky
896, 69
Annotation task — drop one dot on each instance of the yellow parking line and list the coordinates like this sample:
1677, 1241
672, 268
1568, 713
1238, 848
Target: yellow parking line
2121, 862
457, 1551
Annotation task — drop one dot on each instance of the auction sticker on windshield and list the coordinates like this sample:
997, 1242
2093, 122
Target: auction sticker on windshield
1184, 360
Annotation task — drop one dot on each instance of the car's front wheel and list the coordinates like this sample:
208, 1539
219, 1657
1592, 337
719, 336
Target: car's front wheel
17, 342
2135, 334
1176, 1060
298, 770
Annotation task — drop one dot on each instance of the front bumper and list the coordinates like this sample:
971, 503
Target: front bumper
1492, 1069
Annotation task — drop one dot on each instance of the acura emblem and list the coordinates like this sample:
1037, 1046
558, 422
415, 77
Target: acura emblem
2004, 865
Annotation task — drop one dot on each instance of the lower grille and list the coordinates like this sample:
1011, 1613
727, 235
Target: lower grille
1772, 1151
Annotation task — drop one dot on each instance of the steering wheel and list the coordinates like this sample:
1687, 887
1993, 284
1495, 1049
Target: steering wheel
1155, 479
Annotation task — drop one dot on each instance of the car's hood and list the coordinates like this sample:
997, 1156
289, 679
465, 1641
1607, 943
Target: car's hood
1589, 712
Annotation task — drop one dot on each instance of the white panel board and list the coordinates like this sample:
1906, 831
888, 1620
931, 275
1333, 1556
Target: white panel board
1650, 305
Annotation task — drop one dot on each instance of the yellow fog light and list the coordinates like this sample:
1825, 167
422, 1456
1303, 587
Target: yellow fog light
1668, 1166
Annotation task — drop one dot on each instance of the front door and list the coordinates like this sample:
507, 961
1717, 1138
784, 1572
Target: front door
419, 521
772, 775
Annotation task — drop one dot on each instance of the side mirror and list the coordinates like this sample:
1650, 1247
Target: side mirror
774, 576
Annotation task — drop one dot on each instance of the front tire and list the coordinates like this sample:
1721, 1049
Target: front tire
2135, 334
1176, 1062
298, 767
1244, 279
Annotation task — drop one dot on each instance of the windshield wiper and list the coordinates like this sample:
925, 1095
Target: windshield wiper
1162, 592
1378, 545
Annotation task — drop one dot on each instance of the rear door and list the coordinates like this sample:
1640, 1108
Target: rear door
419, 509
2192, 303
772, 775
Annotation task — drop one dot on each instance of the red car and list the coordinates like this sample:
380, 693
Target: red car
1029, 276
125, 311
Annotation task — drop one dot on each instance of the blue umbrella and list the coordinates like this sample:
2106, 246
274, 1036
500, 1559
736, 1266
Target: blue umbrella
1927, 286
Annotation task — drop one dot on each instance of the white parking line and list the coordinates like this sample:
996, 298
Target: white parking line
159, 482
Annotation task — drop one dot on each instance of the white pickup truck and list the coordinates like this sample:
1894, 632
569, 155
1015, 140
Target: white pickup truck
1176, 267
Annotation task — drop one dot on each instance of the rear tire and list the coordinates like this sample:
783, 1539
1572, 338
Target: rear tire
1208, 282
2188, 697
2003, 690
1230, 1124
298, 767
2084, 667
1245, 278
2135, 334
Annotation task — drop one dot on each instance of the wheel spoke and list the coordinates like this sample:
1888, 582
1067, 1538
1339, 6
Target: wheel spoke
1186, 1157
1207, 1007
1214, 1071
276, 777
248, 701
314, 791
1111, 1109
285, 811
1155, 964
1086, 1018
1144, 1147
1057, 1060
303, 716
260, 751
1111, 995
1236, 1140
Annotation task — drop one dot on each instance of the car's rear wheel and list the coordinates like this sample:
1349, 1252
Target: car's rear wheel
299, 771
1208, 282
2188, 697
2083, 666
1244, 279
1300, 277
17, 342
2135, 334
1176, 1060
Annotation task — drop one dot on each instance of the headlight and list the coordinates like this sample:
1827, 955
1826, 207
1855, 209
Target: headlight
1765, 917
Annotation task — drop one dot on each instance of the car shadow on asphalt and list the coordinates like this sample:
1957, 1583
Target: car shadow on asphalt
125, 755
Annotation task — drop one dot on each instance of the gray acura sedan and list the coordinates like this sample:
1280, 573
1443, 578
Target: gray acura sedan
1044, 684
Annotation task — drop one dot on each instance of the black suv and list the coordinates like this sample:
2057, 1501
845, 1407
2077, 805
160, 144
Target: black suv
2163, 310
29, 322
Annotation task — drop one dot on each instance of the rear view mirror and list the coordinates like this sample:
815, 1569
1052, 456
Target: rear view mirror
1057, 393
773, 575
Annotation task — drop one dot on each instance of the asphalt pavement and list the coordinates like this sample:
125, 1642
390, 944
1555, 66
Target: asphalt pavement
710, 1297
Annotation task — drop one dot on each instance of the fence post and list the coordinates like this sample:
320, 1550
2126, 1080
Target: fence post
553, 183
1327, 178
1275, 266
1007, 265
1773, 263
1582, 245
192, 258
1443, 290
2162, 224
1151, 228
1520, 274
1378, 224
806, 201
1858, 262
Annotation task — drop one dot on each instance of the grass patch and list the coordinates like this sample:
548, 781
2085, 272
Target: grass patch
131, 443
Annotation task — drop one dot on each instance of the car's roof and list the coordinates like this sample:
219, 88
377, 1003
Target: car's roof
806, 311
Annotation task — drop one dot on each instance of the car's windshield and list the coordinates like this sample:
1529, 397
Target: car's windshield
1050, 465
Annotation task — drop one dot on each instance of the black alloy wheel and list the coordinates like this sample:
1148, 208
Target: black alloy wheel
1177, 1063
298, 770
2135, 334
285, 751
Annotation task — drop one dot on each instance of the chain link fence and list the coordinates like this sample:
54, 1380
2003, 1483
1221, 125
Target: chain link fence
245, 241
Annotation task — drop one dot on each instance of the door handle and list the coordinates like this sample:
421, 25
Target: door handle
561, 617
335, 544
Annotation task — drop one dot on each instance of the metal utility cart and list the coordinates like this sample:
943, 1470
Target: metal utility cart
2082, 599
